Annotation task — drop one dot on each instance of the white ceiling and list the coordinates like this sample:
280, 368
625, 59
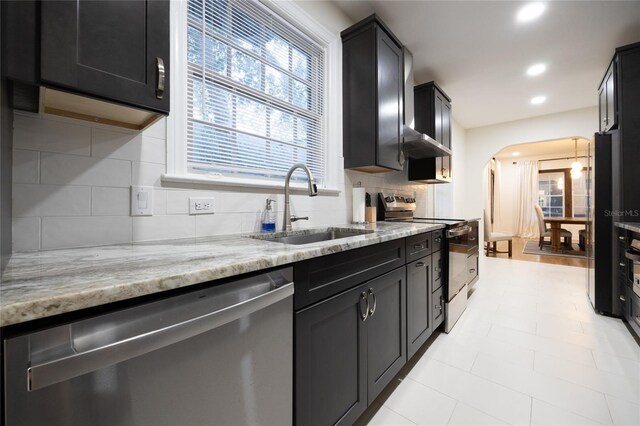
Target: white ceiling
478, 53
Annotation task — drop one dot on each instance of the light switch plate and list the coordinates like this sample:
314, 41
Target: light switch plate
141, 201
201, 205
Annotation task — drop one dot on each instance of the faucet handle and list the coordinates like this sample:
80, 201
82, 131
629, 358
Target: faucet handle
297, 218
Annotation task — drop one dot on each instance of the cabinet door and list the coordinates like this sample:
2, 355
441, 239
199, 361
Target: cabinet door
602, 106
446, 124
437, 116
418, 304
390, 92
108, 49
330, 360
611, 106
386, 330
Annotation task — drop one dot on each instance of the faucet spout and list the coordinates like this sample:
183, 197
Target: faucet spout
312, 188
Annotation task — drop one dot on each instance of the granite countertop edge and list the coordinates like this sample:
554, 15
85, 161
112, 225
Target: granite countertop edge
46, 283
631, 226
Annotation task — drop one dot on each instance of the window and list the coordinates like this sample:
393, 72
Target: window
255, 93
551, 193
560, 196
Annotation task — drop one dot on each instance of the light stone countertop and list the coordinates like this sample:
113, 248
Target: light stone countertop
46, 283
631, 226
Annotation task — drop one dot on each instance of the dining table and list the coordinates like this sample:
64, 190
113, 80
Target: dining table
555, 225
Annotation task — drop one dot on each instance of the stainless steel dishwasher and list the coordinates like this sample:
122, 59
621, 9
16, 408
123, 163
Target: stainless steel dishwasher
216, 356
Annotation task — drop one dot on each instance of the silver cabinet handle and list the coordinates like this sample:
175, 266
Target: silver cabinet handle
419, 264
375, 304
437, 239
472, 270
622, 264
622, 298
363, 296
161, 78
621, 238
62, 369
297, 218
418, 246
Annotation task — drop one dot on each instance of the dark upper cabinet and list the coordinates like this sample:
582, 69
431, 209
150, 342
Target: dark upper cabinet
418, 304
607, 100
115, 50
107, 52
432, 108
372, 88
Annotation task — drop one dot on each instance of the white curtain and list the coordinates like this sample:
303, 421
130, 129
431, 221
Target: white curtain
526, 221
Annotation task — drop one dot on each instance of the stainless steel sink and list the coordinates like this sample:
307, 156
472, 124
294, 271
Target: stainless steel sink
311, 236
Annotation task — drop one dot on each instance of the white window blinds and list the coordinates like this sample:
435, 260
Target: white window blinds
254, 92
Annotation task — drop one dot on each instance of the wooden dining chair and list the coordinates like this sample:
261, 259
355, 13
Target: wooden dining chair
546, 232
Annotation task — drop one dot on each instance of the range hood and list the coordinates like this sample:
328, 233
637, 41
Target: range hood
417, 145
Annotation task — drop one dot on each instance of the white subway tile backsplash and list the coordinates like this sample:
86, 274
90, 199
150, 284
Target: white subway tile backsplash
218, 224
127, 146
40, 134
26, 233
157, 130
178, 202
51, 200
147, 174
64, 232
59, 169
110, 201
26, 166
159, 202
150, 228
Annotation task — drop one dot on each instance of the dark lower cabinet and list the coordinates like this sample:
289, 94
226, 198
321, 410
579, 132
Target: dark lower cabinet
386, 330
419, 281
330, 361
437, 310
348, 348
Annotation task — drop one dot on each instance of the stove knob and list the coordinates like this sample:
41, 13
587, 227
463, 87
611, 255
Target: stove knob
389, 199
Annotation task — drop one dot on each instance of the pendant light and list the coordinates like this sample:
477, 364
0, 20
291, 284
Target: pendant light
576, 166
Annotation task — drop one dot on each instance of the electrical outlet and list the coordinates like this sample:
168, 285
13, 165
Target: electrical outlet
201, 205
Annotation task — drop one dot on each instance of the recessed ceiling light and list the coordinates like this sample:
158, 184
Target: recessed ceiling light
538, 100
515, 154
536, 69
530, 12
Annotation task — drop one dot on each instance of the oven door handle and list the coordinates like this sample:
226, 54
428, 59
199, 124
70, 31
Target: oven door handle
458, 231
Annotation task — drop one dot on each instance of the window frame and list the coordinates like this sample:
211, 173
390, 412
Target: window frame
177, 168
568, 188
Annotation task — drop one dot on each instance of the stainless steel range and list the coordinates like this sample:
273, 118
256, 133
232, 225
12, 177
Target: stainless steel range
461, 242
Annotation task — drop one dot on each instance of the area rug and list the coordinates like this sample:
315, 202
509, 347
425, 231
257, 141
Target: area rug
531, 247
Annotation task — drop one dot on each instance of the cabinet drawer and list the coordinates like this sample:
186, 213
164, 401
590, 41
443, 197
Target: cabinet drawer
437, 268
633, 313
437, 239
437, 311
322, 277
418, 246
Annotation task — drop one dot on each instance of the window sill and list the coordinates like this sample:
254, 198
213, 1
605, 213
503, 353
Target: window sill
241, 183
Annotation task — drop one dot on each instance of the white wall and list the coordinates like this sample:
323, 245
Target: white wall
450, 202
482, 143
72, 180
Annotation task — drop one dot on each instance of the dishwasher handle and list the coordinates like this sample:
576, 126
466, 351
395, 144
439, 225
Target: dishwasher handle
65, 368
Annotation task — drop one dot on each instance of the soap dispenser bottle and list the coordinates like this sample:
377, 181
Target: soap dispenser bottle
269, 218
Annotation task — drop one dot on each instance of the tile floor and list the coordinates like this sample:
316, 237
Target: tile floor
529, 350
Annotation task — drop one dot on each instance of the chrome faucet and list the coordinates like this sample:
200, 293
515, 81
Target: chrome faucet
313, 191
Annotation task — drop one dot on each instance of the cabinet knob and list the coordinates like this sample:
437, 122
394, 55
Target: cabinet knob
161, 78
437, 239
419, 264
472, 270
622, 298
622, 264
621, 238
